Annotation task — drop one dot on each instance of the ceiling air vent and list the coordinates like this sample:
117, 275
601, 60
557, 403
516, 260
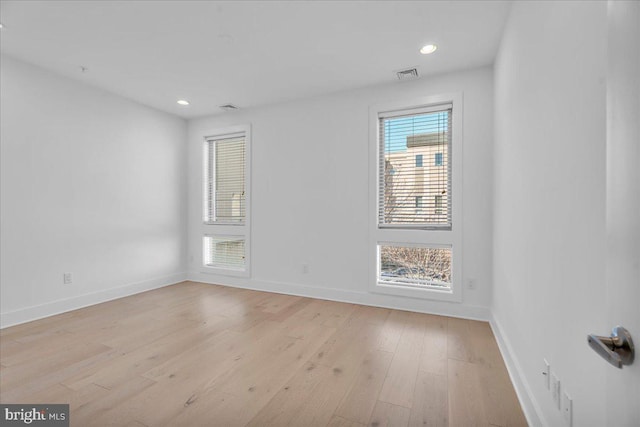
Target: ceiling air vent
408, 74
229, 107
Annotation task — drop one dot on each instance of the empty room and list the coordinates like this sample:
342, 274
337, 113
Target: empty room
320, 213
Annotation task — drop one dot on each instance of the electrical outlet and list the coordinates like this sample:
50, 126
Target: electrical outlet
555, 390
471, 283
305, 268
67, 278
546, 373
567, 409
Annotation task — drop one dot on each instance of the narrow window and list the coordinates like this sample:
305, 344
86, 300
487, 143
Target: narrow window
438, 159
225, 180
225, 203
416, 235
438, 204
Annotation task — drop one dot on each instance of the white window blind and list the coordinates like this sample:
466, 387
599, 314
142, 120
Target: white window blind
405, 139
225, 179
224, 252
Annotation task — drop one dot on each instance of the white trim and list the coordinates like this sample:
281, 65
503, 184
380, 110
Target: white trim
230, 229
395, 302
221, 136
35, 312
530, 407
453, 236
402, 112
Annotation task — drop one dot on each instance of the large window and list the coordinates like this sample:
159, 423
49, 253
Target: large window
225, 202
404, 137
225, 179
416, 235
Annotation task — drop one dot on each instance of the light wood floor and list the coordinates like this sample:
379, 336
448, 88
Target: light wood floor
201, 355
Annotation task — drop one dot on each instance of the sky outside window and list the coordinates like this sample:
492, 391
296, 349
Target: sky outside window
396, 130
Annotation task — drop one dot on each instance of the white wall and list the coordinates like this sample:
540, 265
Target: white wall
92, 184
310, 192
549, 201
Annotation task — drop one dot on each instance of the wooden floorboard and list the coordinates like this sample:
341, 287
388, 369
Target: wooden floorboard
194, 354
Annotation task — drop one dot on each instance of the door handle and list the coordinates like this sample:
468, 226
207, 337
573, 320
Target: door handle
616, 349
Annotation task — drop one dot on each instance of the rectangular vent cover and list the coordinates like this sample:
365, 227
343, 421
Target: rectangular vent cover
408, 74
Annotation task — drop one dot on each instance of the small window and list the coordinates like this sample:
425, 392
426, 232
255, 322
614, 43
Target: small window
418, 202
418, 160
414, 266
226, 230
224, 252
438, 159
438, 204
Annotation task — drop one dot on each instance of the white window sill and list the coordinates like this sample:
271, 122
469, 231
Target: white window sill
430, 293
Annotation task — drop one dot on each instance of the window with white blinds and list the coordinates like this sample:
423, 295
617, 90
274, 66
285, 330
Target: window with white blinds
225, 184
224, 252
415, 197
413, 191
226, 202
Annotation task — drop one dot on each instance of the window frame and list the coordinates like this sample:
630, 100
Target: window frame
409, 235
207, 167
219, 266
386, 283
400, 113
224, 228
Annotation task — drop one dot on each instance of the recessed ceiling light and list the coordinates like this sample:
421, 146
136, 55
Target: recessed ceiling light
1, 26
183, 102
427, 49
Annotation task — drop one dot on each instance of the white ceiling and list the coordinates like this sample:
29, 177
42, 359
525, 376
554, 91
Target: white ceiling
244, 52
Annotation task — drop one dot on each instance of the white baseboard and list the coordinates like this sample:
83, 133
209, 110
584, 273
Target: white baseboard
36, 312
364, 298
530, 406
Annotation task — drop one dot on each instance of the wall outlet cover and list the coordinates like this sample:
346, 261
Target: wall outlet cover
567, 409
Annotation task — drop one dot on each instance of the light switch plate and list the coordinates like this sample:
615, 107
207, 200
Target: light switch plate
555, 390
546, 373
